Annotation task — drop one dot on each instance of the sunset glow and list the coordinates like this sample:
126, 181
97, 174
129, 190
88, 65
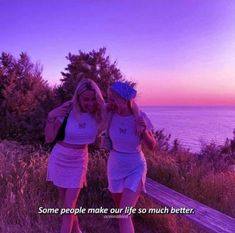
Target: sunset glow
178, 52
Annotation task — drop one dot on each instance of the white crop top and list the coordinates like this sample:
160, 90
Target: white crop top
81, 129
122, 132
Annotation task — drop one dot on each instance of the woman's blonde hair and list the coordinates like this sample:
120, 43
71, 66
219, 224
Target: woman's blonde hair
84, 85
132, 105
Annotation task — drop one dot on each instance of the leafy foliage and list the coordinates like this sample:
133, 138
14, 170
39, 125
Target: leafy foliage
94, 65
24, 98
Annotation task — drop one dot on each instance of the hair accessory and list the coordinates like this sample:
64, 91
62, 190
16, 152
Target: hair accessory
125, 90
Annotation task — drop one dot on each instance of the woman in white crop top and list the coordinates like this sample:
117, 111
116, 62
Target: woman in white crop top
67, 163
126, 170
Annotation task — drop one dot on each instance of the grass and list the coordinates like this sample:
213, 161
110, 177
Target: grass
24, 189
207, 179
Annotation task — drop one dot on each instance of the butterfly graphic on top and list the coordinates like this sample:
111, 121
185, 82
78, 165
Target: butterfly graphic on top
82, 125
122, 131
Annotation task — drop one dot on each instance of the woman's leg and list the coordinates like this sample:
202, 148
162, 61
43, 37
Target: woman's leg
62, 191
61, 196
117, 198
76, 227
128, 199
70, 221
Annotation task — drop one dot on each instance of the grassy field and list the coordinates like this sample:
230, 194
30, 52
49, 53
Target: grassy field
24, 189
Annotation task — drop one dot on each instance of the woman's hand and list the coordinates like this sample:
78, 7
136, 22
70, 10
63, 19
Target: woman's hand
149, 140
61, 111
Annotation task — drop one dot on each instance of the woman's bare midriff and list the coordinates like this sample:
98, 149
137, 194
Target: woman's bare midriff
73, 146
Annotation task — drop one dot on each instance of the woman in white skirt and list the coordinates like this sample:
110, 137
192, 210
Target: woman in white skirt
67, 163
128, 129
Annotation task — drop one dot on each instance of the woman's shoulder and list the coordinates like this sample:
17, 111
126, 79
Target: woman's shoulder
143, 114
107, 112
147, 120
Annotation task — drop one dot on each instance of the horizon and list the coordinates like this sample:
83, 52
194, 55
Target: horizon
186, 48
188, 106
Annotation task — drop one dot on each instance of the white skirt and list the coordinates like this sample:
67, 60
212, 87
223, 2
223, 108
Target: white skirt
126, 170
67, 167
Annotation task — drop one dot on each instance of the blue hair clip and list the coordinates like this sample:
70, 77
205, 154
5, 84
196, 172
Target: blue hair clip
124, 90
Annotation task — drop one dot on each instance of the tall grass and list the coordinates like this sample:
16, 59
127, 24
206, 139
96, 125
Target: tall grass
24, 189
204, 176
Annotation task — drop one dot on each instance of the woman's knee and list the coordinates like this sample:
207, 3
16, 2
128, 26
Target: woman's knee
129, 198
117, 198
71, 196
61, 193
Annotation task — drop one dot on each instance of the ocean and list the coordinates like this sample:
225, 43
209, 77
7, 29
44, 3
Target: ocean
193, 125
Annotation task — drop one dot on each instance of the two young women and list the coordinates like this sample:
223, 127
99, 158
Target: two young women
83, 119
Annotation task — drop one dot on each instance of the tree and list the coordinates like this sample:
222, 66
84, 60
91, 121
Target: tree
94, 65
24, 98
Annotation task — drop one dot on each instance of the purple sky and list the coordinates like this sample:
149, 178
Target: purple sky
179, 52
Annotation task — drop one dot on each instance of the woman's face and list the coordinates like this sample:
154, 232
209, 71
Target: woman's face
87, 101
115, 102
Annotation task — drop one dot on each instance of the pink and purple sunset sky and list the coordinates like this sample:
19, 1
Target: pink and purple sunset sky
180, 52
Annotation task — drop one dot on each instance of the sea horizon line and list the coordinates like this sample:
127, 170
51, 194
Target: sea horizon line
187, 106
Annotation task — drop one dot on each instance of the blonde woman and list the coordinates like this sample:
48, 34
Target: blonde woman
128, 129
80, 120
